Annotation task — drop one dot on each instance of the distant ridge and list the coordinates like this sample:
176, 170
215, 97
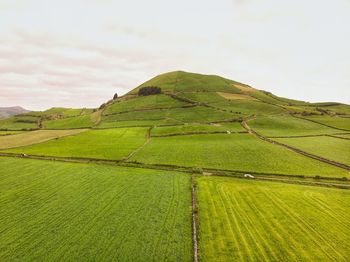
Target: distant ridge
6, 112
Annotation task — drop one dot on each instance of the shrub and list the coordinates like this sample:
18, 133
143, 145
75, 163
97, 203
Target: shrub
149, 90
115, 96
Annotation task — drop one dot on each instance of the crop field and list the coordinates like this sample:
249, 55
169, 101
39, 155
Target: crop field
242, 220
182, 115
34, 137
337, 122
113, 144
288, 126
328, 147
204, 128
70, 122
13, 123
71, 212
108, 122
142, 103
250, 107
241, 152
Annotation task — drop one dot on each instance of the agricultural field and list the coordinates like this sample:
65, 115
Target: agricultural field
284, 125
112, 144
328, 147
198, 114
83, 121
197, 128
34, 137
240, 152
245, 220
196, 169
143, 103
337, 122
71, 212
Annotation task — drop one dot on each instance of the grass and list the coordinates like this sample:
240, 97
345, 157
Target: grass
198, 114
180, 81
142, 103
70, 122
231, 96
242, 152
245, 220
183, 129
14, 123
34, 137
113, 144
109, 123
284, 125
7, 133
52, 211
337, 122
328, 147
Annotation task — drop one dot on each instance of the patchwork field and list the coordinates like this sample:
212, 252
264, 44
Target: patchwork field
101, 193
241, 152
71, 212
34, 137
193, 128
288, 126
242, 220
328, 147
111, 144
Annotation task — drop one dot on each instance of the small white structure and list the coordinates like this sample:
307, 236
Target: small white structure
228, 132
248, 176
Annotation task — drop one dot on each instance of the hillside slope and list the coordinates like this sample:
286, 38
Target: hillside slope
6, 112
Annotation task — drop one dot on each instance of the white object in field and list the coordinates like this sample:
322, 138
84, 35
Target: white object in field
228, 132
248, 176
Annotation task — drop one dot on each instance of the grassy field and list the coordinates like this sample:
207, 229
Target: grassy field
14, 123
338, 122
284, 125
7, 133
86, 212
104, 144
198, 114
109, 123
179, 81
183, 129
244, 220
35, 137
70, 122
328, 147
142, 103
242, 152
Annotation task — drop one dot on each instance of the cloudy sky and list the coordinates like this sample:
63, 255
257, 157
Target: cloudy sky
78, 53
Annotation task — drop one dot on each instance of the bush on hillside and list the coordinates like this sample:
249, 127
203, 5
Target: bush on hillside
149, 90
115, 96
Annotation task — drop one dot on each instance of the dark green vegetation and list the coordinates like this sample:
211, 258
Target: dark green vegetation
125, 199
71, 212
244, 220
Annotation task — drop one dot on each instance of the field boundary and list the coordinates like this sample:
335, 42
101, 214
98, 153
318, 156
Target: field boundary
296, 150
200, 133
197, 171
194, 218
314, 121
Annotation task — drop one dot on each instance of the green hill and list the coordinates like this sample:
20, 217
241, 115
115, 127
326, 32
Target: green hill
204, 168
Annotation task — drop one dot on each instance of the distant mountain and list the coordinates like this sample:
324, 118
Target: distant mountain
6, 112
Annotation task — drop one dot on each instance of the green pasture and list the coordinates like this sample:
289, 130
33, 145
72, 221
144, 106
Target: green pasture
241, 152
113, 144
55, 211
328, 147
82, 121
245, 220
335, 121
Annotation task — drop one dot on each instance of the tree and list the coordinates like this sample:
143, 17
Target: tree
149, 90
115, 96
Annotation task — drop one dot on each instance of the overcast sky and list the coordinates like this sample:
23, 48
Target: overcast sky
77, 53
